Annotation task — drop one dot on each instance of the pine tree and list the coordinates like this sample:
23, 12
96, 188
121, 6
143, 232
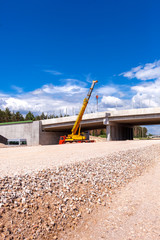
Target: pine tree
29, 116
19, 116
8, 115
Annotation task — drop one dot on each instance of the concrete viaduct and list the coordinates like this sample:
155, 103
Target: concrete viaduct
119, 125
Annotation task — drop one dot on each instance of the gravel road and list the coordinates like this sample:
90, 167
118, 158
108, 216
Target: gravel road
134, 213
22, 160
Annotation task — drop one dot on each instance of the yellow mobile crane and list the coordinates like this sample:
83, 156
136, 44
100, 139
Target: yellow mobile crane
73, 137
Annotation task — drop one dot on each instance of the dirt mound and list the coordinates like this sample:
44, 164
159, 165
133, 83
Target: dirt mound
2, 145
97, 139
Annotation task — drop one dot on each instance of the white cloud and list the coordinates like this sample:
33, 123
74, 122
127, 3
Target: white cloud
53, 72
111, 102
15, 104
51, 98
71, 92
36, 104
146, 94
147, 72
3, 95
67, 89
18, 89
107, 90
48, 98
143, 101
88, 77
149, 88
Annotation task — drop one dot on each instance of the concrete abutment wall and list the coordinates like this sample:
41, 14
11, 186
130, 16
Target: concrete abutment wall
31, 131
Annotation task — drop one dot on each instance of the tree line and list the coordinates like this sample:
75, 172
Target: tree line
139, 132
8, 116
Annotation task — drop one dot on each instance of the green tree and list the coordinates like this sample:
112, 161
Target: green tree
139, 132
13, 117
51, 116
8, 115
2, 116
102, 132
43, 116
29, 116
144, 132
37, 118
19, 116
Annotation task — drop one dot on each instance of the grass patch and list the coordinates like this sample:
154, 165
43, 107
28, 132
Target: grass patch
102, 136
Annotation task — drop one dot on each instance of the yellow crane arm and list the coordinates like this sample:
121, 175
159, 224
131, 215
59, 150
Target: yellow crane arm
83, 108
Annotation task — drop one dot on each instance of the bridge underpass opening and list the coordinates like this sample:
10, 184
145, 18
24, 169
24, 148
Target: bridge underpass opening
85, 130
116, 132
63, 126
151, 131
122, 128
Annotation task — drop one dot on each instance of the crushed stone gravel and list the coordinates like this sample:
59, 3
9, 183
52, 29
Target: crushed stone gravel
25, 160
45, 203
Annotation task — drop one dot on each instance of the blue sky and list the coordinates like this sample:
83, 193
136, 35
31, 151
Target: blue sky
51, 50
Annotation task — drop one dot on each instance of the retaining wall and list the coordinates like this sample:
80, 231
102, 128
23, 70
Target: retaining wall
31, 131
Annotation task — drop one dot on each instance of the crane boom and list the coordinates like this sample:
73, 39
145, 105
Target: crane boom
73, 137
83, 108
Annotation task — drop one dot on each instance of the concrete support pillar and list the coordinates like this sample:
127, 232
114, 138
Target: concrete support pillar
113, 132
108, 132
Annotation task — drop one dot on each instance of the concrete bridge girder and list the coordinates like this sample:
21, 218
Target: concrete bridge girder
85, 125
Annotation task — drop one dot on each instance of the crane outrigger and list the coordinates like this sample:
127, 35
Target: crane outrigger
74, 137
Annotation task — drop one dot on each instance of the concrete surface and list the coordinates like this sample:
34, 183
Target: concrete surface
29, 131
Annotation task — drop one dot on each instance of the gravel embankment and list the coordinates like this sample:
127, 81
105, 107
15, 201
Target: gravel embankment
45, 204
22, 160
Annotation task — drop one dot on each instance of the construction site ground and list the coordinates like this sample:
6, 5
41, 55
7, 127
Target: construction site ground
133, 214
21, 160
103, 190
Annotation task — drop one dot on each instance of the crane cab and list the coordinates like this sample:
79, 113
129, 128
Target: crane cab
62, 139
